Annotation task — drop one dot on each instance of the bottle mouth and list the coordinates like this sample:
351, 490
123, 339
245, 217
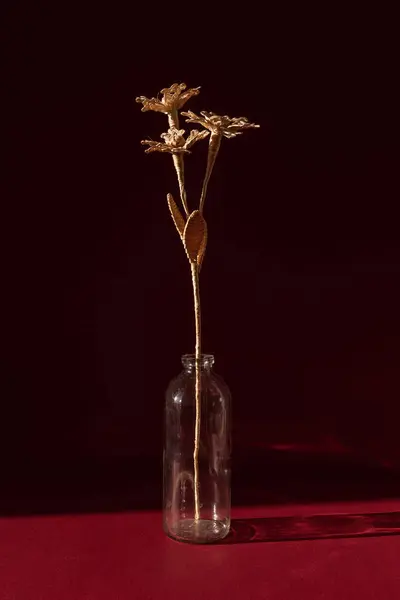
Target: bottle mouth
189, 360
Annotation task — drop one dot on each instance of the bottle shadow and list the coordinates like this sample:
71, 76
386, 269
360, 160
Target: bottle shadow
280, 529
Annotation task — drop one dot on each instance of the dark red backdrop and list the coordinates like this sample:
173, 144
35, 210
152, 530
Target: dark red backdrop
300, 288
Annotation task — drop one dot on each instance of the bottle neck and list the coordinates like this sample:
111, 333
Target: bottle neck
206, 361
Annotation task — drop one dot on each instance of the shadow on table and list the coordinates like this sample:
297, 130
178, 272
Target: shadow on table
279, 529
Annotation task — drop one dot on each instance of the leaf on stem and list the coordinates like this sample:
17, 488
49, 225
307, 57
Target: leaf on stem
176, 215
202, 250
195, 236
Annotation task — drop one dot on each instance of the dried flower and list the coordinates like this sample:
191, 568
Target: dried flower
192, 227
174, 141
220, 125
173, 98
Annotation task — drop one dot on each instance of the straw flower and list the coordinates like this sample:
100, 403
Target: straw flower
174, 141
219, 127
226, 126
173, 98
191, 226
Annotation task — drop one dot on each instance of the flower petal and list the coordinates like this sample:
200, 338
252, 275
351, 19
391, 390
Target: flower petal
231, 134
171, 95
195, 136
187, 95
173, 88
193, 118
174, 137
151, 104
161, 147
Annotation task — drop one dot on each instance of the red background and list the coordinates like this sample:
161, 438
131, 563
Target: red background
300, 287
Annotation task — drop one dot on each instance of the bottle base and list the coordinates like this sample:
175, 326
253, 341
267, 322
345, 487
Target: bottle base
200, 531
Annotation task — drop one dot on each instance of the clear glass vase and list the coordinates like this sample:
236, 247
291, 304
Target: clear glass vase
213, 465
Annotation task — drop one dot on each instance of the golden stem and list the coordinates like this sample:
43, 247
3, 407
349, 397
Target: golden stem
213, 148
197, 314
178, 164
173, 121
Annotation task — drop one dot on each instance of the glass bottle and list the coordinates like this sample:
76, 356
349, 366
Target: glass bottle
214, 492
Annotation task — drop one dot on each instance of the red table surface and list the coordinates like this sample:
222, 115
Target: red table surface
126, 556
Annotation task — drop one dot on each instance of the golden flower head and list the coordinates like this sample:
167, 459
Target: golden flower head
174, 141
173, 98
220, 125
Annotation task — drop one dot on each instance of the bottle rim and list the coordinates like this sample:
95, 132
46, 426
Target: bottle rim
190, 359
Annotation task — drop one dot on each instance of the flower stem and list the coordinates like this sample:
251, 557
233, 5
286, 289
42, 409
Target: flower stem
196, 295
173, 121
213, 148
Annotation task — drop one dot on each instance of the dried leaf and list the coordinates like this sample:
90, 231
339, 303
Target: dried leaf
194, 235
202, 250
176, 215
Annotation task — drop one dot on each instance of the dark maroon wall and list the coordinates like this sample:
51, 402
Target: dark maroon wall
300, 287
